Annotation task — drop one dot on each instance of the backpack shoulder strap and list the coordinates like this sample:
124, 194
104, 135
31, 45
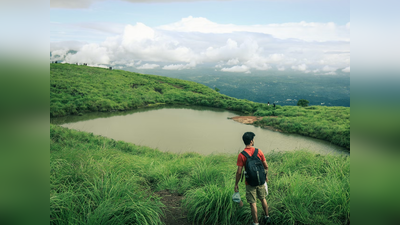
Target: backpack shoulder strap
255, 153
245, 154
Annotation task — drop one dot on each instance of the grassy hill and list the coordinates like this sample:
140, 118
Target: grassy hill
75, 90
78, 89
97, 180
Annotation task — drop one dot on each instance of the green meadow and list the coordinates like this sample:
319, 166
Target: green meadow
322, 122
97, 180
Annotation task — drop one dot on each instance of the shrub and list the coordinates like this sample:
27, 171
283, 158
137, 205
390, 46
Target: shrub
303, 103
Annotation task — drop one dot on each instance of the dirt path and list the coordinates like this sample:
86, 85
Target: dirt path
174, 214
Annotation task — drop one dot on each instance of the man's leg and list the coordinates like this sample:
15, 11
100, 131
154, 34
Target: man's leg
253, 207
265, 206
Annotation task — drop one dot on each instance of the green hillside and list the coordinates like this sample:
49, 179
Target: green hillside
75, 90
97, 180
78, 89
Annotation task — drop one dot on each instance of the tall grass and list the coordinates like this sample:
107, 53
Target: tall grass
96, 180
212, 204
326, 123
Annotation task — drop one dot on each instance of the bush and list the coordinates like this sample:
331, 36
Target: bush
263, 113
303, 103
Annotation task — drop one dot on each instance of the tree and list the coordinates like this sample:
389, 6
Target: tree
217, 89
303, 103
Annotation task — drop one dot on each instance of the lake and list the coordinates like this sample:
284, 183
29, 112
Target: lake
190, 129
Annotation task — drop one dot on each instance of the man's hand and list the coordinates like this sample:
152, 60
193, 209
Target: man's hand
236, 188
266, 179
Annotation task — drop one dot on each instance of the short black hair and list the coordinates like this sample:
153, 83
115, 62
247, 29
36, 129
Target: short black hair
248, 137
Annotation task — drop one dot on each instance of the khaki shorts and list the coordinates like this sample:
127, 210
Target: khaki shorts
251, 192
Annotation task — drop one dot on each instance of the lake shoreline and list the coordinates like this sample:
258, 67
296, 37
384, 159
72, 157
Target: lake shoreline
251, 119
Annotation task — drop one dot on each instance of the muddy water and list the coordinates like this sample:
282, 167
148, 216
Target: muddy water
190, 129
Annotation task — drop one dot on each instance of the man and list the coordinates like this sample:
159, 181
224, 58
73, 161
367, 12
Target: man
253, 191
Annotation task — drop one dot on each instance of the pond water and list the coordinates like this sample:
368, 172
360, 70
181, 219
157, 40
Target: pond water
190, 129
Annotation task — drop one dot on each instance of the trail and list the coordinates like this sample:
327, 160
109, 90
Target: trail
174, 214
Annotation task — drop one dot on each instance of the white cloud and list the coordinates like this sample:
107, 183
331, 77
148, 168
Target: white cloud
91, 54
144, 43
97, 65
302, 67
329, 69
126, 62
276, 57
330, 73
243, 51
232, 62
59, 54
148, 66
258, 63
237, 69
346, 70
179, 66
231, 49
348, 25
301, 30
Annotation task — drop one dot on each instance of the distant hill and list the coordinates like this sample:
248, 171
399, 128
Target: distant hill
280, 87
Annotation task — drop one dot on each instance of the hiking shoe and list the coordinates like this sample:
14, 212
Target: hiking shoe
266, 220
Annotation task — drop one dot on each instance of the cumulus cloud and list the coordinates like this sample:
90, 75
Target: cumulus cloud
179, 66
232, 62
346, 70
145, 43
59, 54
231, 49
329, 69
258, 63
148, 66
97, 65
302, 67
238, 51
301, 30
281, 68
91, 54
237, 69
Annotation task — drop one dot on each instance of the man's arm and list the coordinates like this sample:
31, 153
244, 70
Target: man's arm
238, 174
266, 170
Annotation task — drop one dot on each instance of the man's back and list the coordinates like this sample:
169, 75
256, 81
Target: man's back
241, 161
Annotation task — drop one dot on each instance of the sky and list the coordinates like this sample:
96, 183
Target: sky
239, 36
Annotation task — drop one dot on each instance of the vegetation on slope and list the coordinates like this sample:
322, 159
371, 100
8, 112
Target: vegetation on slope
96, 180
78, 89
322, 122
281, 87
